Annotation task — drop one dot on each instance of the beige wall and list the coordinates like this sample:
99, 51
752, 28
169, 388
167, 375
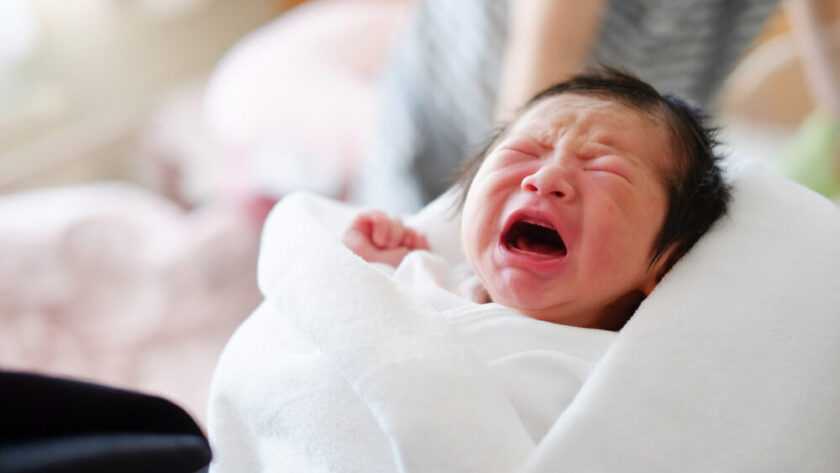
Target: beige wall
98, 68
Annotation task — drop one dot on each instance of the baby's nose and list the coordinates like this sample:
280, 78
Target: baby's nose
549, 180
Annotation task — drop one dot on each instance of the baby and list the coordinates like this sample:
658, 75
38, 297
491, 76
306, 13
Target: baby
570, 216
575, 210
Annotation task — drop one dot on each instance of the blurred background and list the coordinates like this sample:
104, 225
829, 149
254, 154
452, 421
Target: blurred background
142, 142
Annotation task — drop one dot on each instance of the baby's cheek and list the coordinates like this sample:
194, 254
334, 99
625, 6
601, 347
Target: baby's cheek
614, 241
604, 252
472, 235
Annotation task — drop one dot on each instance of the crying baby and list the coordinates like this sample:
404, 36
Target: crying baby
578, 207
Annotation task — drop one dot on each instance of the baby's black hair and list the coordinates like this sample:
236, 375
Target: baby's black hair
698, 195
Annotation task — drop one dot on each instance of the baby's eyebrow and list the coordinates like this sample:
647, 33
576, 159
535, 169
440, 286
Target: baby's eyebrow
608, 140
519, 140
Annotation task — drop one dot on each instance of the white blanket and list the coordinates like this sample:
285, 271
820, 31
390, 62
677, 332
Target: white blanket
729, 365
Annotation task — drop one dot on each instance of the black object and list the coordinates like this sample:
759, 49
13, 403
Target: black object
52, 424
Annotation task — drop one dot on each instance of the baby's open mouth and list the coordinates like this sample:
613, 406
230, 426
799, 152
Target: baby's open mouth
537, 239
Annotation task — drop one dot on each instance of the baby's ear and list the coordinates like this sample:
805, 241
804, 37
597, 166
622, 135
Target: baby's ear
649, 285
658, 269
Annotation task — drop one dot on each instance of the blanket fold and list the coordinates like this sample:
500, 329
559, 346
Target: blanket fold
729, 365
409, 367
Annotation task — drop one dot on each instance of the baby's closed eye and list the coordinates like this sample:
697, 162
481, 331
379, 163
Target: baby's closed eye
609, 165
521, 146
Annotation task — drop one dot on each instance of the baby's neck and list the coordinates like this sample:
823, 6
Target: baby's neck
612, 317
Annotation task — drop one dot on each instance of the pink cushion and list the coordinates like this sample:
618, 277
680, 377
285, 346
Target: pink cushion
302, 87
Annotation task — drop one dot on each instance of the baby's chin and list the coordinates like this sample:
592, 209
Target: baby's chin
607, 317
530, 308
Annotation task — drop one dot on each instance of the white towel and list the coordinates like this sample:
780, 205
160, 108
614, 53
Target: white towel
729, 365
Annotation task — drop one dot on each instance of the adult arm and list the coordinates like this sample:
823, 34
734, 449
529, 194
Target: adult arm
810, 21
548, 41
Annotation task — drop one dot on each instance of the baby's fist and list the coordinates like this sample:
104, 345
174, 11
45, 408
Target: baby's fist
379, 238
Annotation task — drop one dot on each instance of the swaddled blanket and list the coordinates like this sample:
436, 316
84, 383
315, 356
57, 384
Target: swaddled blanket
349, 360
729, 365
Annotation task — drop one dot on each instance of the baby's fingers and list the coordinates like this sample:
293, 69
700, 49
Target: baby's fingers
420, 243
397, 233
387, 231
414, 240
380, 225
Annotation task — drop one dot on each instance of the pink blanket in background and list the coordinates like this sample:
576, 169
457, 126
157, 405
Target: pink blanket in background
114, 284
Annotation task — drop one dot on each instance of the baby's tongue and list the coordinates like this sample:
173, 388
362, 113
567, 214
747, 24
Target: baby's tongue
537, 248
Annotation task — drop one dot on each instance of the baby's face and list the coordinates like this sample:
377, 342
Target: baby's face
561, 218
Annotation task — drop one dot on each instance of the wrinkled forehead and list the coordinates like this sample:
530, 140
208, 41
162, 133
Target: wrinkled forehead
589, 110
601, 119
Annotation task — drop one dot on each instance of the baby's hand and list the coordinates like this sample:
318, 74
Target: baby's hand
379, 238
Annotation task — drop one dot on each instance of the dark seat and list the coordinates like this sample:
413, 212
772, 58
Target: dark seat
50, 424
